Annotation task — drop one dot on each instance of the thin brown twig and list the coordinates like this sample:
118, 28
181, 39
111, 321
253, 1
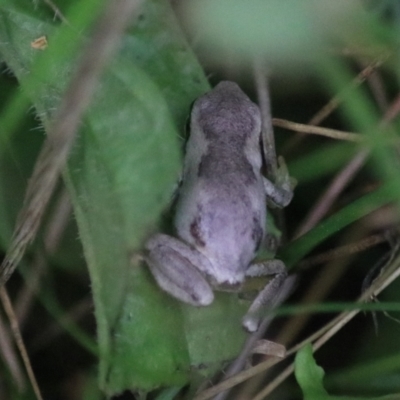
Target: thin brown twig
25, 297
329, 196
8, 308
342, 179
73, 315
52, 236
343, 251
317, 130
335, 101
377, 87
392, 112
58, 223
264, 102
325, 280
238, 365
54, 153
10, 356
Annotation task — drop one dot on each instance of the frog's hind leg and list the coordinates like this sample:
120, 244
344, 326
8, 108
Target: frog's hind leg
268, 295
176, 268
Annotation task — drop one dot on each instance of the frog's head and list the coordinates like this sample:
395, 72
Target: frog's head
226, 112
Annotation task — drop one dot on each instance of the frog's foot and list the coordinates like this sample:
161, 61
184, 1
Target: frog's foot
283, 179
280, 193
268, 295
173, 265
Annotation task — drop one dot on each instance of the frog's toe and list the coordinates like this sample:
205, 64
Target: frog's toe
251, 322
175, 274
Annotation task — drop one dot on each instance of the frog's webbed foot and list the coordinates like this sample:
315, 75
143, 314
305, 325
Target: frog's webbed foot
280, 193
174, 266
267, 296
283, 179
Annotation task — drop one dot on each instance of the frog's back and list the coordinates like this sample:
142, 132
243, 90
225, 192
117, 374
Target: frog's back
221, 208
225, 220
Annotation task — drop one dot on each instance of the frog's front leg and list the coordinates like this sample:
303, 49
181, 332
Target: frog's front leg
281, 192
268, 294
177, 269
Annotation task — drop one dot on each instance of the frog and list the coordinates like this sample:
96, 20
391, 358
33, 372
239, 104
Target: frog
221, 208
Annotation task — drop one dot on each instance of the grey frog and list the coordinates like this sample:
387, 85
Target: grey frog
221, 210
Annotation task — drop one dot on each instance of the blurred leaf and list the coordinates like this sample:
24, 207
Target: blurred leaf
328, 158
285, 34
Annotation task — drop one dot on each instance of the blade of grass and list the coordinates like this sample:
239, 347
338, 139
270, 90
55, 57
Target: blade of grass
354, 211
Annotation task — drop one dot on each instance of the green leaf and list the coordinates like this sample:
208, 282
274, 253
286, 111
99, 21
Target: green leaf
309, 375
285, 34
328, 158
